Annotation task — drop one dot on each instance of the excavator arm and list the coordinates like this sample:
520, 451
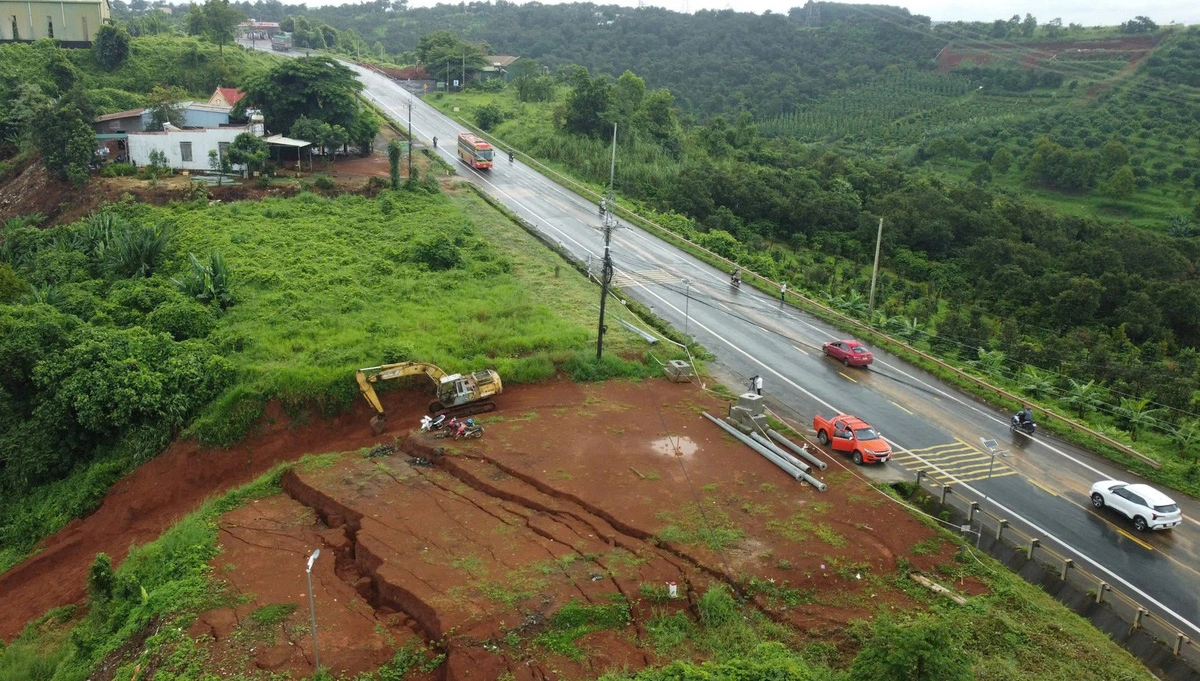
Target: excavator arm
368, 377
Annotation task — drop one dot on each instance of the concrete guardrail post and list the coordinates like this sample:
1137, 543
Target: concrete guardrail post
972, 511
945, 490
920, 476
1067, 565
1100, 589
1180, 639
1137, 619
1000, 529
1033, 544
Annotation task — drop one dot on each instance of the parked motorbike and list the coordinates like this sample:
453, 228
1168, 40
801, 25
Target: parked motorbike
466, 432
449, 428
428, 423
1026, 427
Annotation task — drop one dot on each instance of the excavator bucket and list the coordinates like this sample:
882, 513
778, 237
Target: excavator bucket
378, 423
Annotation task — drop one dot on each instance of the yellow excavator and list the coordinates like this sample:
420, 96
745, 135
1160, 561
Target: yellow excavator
457, 394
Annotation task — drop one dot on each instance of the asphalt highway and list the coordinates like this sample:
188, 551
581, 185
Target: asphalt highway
1040, 485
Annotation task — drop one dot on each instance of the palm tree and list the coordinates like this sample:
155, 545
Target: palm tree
1135, 415
1036, 383
1084, 396
1186, 434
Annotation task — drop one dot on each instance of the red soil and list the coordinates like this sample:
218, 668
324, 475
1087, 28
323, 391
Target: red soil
1033, 54
563, 499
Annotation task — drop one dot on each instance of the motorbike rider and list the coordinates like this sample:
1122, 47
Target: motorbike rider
1025, 416
736, 279
435, 141
510, 155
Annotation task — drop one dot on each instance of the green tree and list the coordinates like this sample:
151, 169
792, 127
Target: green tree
488, 116
588, 104
249, 151
395, 151
1121, 184
101, 579
363, 130
444, 53
1136, 415
313, 87
216, 21
1029, 25
110, 49
165, 108
981, 173
1186, 436
1002, 160
12, 286
218, 164
334, 137
66, 143
1083, 397
627, 98
922, 649
1113, 156
1036, 383
990, 362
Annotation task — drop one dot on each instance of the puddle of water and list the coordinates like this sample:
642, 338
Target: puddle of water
674, 446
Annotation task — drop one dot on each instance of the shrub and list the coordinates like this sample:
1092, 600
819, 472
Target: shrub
437, 254
207, 282
119, 170
101, 580
183, 319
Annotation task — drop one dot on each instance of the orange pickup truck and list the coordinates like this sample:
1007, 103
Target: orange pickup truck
846, 433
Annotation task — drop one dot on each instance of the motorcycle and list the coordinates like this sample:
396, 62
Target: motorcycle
449, 428
510, 156
466, 432
735, 281
429, 423
1019, 426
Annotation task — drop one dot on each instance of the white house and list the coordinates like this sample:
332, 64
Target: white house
188, 149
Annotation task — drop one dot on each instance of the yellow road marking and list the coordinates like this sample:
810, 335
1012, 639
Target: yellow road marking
1043, 488
847, 377
995, 474
1135, 539
801, 351
948, 447
902, 409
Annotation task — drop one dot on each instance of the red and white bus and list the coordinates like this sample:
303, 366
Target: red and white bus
474, 151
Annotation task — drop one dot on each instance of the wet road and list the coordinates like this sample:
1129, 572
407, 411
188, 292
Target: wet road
1040, 485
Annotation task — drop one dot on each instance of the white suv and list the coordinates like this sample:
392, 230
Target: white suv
1148, 508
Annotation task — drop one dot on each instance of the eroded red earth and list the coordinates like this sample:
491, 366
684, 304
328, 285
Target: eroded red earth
579, 493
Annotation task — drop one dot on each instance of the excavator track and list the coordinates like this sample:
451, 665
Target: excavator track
462, 409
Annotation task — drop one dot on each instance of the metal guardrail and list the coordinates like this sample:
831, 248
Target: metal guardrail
1129, 610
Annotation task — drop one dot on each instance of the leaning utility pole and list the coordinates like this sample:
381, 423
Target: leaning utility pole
411, 137
606, 268
875, 272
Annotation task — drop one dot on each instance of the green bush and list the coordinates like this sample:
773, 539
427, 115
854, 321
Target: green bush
119, 170
182, 319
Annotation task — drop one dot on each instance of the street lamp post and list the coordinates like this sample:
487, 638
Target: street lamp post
992, 447
316, 655
687, 295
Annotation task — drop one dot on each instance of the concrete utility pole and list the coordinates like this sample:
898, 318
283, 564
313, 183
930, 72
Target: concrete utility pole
875, 272
316, 655
411, 137
606, 268
463, 83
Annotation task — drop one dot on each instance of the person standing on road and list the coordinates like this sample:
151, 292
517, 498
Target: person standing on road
782, 291
758, 384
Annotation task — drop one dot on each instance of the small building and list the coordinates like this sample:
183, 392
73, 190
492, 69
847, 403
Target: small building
188, 149
257, 30
134, 120
72, 22
497, 67
226, 96
195, 115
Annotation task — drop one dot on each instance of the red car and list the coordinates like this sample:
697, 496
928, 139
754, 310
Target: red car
850, 352
846, 433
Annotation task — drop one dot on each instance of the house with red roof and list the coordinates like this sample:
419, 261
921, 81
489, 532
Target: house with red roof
226, 96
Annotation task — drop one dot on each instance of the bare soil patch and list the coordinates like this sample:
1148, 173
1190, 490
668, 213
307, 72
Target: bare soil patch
1033, 54
471, 547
